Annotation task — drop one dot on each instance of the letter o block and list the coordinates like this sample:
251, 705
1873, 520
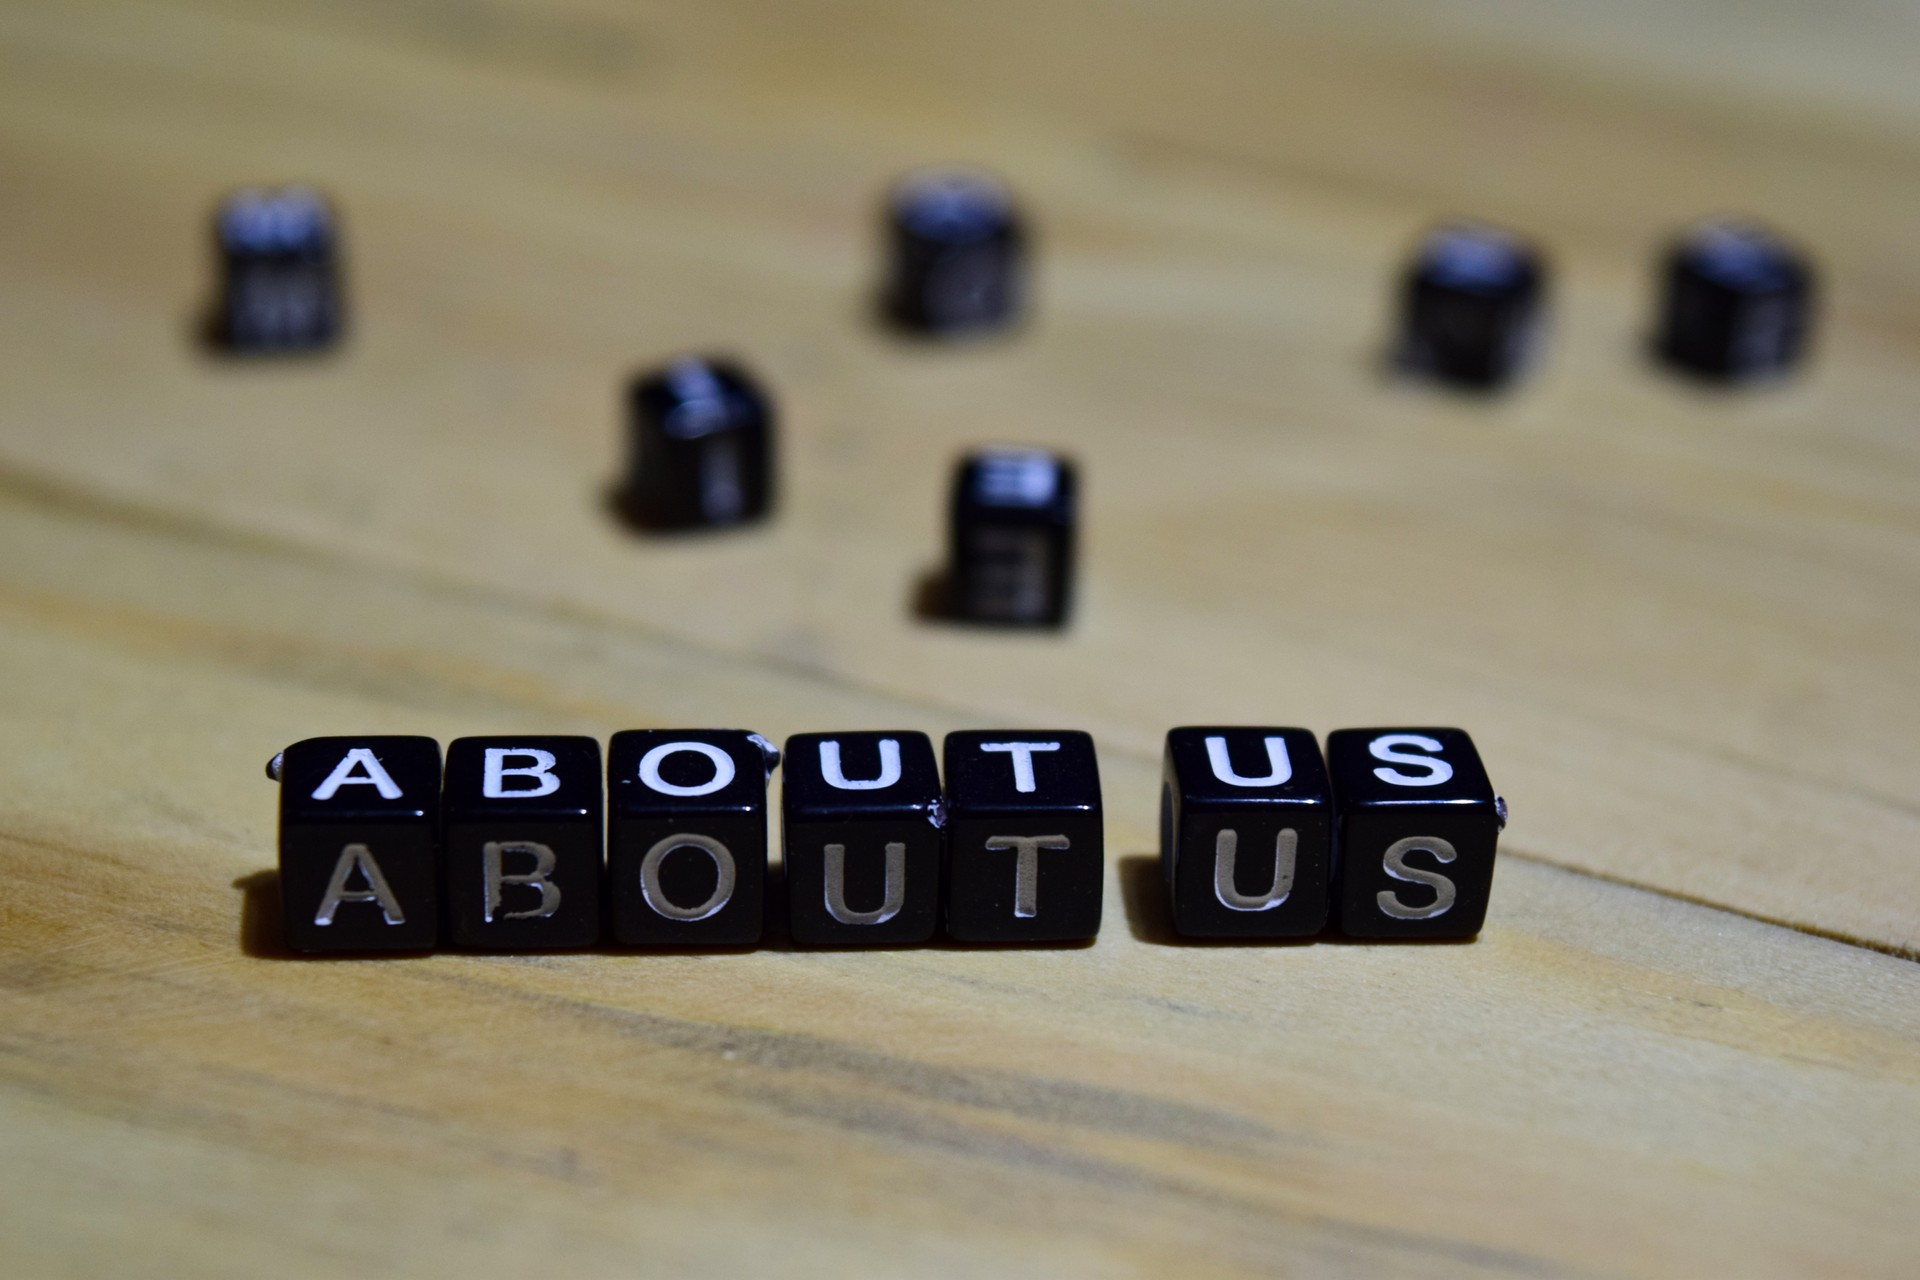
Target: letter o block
1417, 829
1246, 832
687, 836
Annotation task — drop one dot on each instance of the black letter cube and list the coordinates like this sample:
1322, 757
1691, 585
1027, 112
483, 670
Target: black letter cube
1025, 855
522, 836
1010, 545
1415, 836
958, 254
1246, 832
700, 447
280, 276
359, 827
1737, 303
1471, 306
687, 839
860, 821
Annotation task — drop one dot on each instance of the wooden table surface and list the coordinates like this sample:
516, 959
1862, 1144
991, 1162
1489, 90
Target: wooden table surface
1684, 628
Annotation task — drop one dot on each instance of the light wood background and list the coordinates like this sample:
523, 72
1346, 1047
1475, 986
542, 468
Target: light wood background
1682, 626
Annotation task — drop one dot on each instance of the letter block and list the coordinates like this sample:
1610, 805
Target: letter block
1025, 856
1246, 832
359, 827
522, 834
860, 821
1414, 842
687, 836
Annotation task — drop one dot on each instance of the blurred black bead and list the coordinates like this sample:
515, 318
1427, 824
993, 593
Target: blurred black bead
1737, 302
700, 447
359, 843
1011, 537
958, 254
1472, 306
280, 271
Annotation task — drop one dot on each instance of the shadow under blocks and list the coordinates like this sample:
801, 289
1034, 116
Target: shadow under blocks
1390, 838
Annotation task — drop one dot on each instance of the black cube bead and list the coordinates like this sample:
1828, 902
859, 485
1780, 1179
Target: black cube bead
1737, 303
1011, 538
1471, 305
1246, 832
522, 832
861, 821
280, 271
1025, 844
1417, 822
700, 447
359, 843
958, 254
687, 836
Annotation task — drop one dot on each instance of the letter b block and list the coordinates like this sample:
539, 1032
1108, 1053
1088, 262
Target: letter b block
359, 819
1418, 822
523, 834
687, 838
1246, 831
1025, 856
859, 815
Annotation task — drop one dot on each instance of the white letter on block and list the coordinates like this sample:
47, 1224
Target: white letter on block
1279, 764
893, 894
1022, 753
722, 768
490, 855
889, 767
1026, 868
723, 880
343, 776
1226, 846
1382, 748
495, 771
1395, 862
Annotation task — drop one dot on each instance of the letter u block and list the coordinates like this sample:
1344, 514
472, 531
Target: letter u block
523, 833
1417, 829
1246, 832
861, 827
687, 836
359, 826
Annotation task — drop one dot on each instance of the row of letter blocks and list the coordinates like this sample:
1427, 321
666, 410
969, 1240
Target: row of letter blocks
517, 847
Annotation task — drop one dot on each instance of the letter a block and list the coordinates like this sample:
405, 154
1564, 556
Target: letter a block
523, 832
1246, 832
1025, 857
687, 836
1414, 844
860, 816
359, 822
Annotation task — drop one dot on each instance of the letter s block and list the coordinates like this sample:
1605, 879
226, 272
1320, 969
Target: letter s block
1415, 833
860, 815
1246, 832
687, 836
523, 833
359, 827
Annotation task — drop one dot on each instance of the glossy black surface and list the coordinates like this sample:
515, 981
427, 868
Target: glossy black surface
1011, 535
862, 821
1737, 303
986, 806
1419, 796
540, 885
1246, 849
701, 447
1471, 306
697, 836
280, 272
360, 808
958, 255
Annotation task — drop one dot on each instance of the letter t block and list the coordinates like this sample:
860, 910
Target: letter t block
1026, 859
